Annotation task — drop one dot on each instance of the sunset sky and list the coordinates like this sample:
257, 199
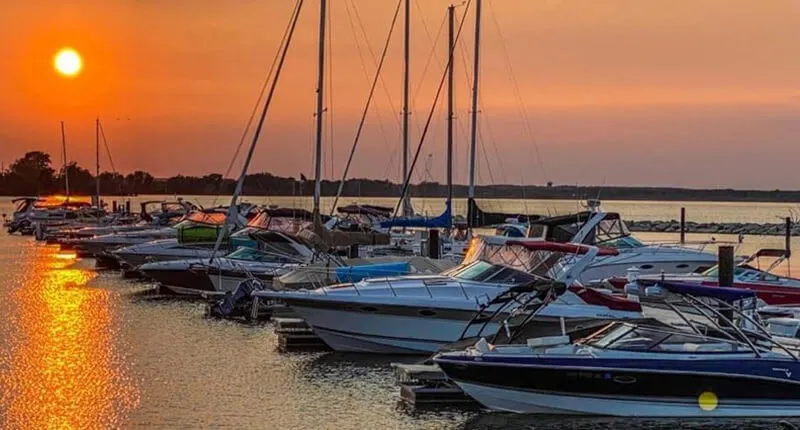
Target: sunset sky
702, 93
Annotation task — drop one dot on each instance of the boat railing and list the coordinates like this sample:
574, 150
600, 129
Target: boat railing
698, 245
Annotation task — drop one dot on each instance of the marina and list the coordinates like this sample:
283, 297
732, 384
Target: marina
157, 349
474, 265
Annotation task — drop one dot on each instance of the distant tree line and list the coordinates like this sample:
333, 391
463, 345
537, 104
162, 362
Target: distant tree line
34, 174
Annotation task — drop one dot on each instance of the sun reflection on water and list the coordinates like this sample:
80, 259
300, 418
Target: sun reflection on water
62, 368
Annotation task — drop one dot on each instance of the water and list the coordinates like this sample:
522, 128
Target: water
85, 349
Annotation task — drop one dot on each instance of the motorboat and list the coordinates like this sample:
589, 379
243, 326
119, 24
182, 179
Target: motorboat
29, 211
608, 230
153, 214
418, 314
719, 362
200, 246
271, 254
210, 221
766, 272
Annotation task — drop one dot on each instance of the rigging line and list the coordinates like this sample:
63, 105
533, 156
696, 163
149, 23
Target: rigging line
375, 62
487, 121
253, 112
407, 179
108, 150
377, 110
482, 144
522, 108
431, 55
367, 105
240, 182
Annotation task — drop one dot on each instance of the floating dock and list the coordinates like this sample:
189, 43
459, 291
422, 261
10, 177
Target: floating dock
427, 385
295, 335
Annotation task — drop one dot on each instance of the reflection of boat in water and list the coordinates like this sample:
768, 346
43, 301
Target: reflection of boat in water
720, 362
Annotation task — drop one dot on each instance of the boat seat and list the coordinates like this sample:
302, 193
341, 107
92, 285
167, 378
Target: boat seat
548, 341
696, 347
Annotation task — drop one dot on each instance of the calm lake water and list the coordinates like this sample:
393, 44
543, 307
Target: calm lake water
84, 349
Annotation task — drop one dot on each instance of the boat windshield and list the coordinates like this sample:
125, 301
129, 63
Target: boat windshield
22, 205
252, 254
627, 337
742, 273
484, 271
622, 243
613, 230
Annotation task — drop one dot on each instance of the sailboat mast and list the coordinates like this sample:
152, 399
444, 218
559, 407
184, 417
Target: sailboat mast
451, 46
97, 161
406, 60
320, 95
474, 120
64, 153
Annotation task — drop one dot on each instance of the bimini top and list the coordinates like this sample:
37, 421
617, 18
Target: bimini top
212, 218
374, 210
578, 217
287, 220
567, 248
727, 294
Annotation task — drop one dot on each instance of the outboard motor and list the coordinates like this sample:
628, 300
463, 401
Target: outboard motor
237, 303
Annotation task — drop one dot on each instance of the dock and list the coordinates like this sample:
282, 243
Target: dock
427, 385
295, 335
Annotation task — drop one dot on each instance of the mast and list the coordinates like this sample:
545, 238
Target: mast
97, 162
451, 46
64, 153
406, 46
232, 209
474, 120
320, 96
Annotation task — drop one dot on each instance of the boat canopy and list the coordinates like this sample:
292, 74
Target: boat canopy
480, 218
286, 220
211, 218
727, 294
373, 210
568, 248
445, 220
541, 258
608, 231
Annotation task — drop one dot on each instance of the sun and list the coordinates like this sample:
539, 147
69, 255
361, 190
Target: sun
68, 62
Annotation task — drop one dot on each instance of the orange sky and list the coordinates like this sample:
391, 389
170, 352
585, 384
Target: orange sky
702, 93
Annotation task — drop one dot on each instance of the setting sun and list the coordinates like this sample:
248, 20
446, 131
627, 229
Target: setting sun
68, 62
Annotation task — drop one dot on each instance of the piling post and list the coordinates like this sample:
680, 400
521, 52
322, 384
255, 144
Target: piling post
114, 206
725, 265
128, 207
433, 244
788, 237
683, 225
725, 256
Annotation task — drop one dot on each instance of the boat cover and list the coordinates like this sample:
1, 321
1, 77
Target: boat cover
445, 220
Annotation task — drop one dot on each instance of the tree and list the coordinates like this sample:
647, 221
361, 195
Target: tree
81, 181
31, 174
139, 182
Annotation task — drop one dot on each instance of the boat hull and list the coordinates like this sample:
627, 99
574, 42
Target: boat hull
714, 387
191, 282
394, 329
533, 402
